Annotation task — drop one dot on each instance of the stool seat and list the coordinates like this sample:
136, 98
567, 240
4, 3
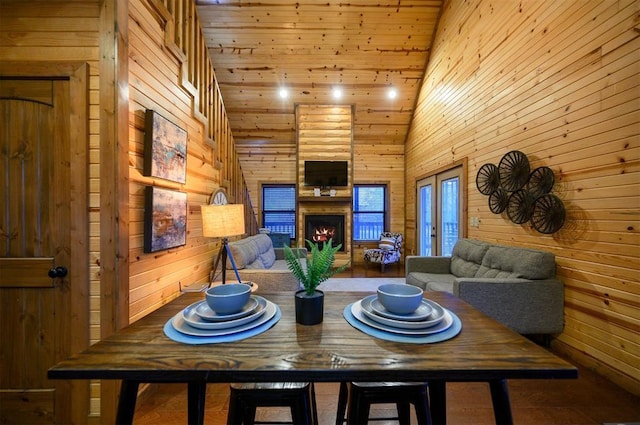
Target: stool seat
245, 398
361, 395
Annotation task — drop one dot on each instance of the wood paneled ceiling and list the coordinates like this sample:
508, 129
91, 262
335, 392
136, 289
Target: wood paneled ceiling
311, 47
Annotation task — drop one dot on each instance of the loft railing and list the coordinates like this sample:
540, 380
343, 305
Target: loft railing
186, 42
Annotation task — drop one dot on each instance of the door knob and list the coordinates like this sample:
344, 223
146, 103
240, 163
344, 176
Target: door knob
59, 271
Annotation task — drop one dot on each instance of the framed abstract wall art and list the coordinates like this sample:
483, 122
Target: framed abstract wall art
165, 219
165, 148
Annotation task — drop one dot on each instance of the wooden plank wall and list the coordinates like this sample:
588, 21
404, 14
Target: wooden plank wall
161, 77
325, 133
155, 83
170, 72
71, 36
266, 163
66, 31
380, 164
558, 81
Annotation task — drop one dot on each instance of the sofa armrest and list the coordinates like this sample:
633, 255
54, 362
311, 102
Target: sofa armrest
439, 265
526, 306
299, 252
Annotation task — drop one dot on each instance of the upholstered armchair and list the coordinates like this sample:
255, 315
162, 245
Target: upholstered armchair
389, 250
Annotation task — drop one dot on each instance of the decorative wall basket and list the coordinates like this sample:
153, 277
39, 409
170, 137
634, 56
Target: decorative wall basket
514, 171
498, 200
525, 195
520, 206
548, 214
488, 179
541, 181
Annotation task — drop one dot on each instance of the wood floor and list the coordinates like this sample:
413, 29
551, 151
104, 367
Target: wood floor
588, 400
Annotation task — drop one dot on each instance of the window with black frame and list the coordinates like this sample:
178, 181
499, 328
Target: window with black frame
369, 211
279, 208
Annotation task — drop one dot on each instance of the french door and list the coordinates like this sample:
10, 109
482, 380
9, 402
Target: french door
439, 212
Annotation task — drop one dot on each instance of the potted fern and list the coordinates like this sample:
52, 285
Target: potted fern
309, 302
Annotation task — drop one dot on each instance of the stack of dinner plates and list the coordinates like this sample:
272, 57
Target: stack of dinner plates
430, 322
199, 320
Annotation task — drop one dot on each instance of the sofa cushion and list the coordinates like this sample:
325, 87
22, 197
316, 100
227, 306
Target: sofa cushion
248, 252
255, 265
263, 242
440, 286
467, 256
266, 254
517, 262
244, 251
484, 271
427, 281
268, 258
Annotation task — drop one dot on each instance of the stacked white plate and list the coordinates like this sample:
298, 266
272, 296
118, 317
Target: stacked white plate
198, 319
429, 318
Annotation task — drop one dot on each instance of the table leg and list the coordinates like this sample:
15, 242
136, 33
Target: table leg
127, 402
438, 402
197, 393
500, 399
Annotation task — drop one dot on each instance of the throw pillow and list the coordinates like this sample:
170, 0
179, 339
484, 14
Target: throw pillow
268, 258
387, 243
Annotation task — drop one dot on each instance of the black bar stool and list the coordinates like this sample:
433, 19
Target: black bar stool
361, 395
246, 397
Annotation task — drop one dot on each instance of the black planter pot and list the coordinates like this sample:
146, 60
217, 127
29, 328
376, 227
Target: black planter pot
309, 308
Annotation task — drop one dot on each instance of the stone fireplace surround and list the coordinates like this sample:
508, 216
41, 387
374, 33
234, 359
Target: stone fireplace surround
322, 227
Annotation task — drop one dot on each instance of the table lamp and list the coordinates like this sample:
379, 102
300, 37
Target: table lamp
222, 221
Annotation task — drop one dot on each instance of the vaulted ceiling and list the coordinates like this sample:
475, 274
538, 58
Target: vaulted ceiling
309, 48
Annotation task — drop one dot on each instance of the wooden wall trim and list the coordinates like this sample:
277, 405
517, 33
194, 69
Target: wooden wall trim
114, 187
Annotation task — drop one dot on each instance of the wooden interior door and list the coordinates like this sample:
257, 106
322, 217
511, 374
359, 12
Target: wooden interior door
37, 311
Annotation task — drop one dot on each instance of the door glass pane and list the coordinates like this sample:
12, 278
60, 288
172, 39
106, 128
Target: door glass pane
424, 221
450, 217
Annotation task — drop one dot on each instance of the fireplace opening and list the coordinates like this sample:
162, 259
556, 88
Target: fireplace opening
321, 228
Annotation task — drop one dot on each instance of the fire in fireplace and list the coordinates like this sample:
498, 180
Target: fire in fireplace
321, 228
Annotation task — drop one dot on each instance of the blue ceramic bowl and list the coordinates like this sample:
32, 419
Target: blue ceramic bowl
400, 298
229, 298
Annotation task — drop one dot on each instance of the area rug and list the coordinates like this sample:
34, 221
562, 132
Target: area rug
362, 284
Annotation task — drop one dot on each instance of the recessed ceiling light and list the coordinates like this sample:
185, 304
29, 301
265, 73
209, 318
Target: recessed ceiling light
337, 92
283, 93
392, 93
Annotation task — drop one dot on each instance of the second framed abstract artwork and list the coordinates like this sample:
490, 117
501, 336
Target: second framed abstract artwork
165, 219
165, 146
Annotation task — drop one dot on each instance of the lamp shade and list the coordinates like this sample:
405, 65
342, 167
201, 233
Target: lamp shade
219, 221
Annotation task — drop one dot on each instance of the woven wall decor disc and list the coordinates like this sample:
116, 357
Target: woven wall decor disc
487, 179
548, 214
514, 171
498, 200
520, 206
541, 181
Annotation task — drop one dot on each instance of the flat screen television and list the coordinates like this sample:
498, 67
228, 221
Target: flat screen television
325, 173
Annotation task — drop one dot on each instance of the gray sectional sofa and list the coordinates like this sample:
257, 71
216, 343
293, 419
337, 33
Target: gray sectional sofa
515, 286
258, 261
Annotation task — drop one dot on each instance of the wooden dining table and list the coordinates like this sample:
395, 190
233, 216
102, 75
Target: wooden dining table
332, 351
